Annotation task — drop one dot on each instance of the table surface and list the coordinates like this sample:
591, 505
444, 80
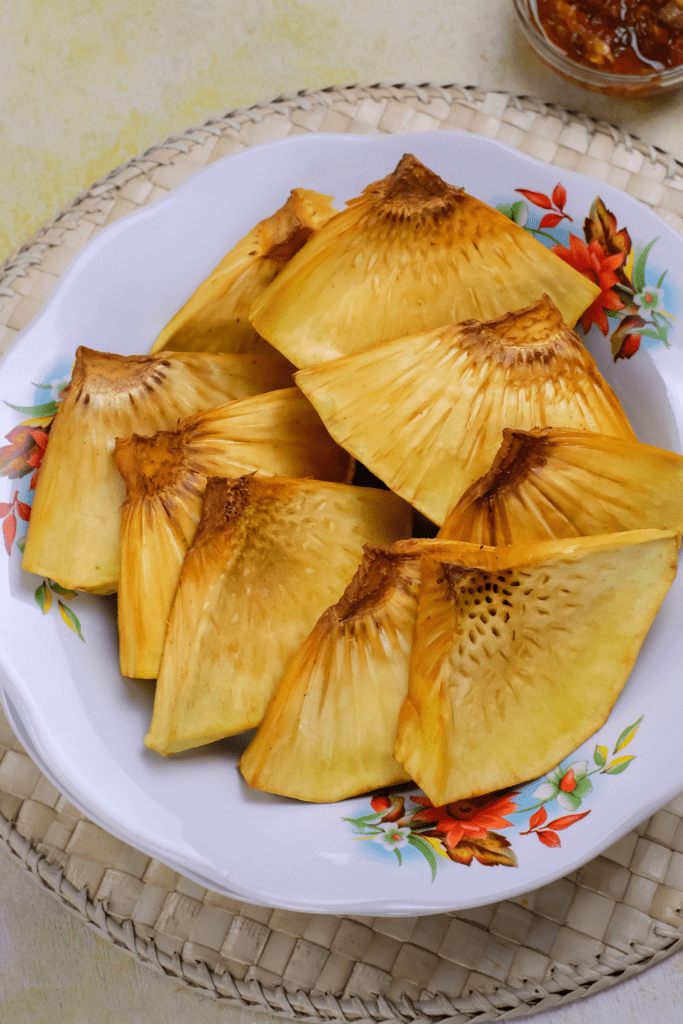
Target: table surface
85, 88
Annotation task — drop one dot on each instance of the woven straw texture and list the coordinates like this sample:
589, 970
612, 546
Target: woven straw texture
608, 921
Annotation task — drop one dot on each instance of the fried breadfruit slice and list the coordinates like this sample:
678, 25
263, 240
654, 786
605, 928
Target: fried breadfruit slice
329, 730
73, 536
520, 652
216, 317
554, 482
268, 557
410, 254
426, 413
165, 477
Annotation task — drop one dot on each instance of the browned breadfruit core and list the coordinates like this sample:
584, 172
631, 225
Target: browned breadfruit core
329, 731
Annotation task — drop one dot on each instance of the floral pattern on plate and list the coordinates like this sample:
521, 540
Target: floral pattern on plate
80, 712
465, 830
607, 257
21, 457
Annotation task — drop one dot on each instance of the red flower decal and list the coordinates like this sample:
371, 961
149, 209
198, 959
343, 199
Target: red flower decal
391, 807
593, 263
625, 341
630, 346
24, 453
471, 818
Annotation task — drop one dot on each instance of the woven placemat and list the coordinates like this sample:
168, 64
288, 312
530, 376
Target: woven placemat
608, 921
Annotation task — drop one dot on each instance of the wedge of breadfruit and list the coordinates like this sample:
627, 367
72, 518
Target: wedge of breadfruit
426, 413
269, 556
165, 475
520, 652
73, 536
410, 254
554, 482
216, 316
329, 730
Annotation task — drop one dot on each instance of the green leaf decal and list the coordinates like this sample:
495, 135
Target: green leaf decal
600, 756
661, 278
627, 735
43, 598
49, 409
70, 619
360, 822
639, 266
398, 854
619, 765
520, 212
62, 591
661, 325
505, 210
425, 849
21, 544
645, 332
583, 788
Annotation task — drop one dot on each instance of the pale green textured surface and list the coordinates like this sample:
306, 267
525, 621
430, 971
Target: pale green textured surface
84, 86
53, 970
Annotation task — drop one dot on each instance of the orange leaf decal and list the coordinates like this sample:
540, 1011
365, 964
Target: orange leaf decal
537, 198
9, 530
559, 823
559, 196
538, 818
548, 838
550, 220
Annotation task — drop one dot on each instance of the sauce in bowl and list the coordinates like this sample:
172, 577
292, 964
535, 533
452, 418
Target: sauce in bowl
621, 37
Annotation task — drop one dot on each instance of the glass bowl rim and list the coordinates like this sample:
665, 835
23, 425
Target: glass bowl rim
556, 57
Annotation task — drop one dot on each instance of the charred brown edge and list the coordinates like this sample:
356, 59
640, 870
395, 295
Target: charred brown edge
282, 252
89, 377
410, 191
225, 499
512, 337
381, 570
520, 452
126, 456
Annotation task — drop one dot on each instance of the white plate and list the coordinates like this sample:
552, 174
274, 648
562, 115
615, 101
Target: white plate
86, 724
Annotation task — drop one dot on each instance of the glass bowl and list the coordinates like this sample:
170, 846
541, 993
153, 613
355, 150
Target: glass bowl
631, 86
